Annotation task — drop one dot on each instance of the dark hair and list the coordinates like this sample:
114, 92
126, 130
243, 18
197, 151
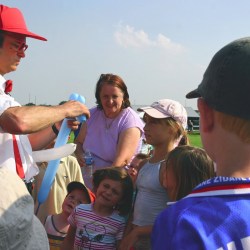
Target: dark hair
142, 156
115, 81
73, 185
62, 102
121, 175
190, 166
2, 33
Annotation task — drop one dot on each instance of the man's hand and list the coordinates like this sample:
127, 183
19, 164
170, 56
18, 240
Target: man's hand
74, 109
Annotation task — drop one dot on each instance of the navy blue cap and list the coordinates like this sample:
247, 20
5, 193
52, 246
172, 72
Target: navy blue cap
226, 82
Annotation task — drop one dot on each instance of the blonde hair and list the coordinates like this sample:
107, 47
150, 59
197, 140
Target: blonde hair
180, 134
236, 125
190, 166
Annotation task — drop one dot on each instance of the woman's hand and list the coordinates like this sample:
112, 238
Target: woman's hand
73, 124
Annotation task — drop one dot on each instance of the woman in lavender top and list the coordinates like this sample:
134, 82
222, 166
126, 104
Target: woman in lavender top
113, 134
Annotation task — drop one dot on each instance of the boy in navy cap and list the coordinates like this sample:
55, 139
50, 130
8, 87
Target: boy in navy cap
216, 214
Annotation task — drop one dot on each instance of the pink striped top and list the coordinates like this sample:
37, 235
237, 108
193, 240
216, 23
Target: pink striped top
94, 231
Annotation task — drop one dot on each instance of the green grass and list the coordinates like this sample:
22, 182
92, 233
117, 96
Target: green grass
195, 139
71, 137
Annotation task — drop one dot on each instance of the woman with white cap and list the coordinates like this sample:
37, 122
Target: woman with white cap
165, 124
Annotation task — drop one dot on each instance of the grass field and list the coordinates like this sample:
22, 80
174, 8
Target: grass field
195, 139
71, 137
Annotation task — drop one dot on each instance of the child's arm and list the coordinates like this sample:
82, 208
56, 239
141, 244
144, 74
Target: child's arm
129, 225
129, 240
68, 243
133, 172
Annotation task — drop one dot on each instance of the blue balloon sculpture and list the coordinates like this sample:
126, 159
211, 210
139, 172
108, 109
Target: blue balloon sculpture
61, 140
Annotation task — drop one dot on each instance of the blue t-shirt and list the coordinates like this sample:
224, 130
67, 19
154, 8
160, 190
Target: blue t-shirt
216, 215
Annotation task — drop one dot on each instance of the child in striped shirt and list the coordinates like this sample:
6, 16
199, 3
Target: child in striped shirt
100, 225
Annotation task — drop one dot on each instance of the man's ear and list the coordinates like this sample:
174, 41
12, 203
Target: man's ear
206, 116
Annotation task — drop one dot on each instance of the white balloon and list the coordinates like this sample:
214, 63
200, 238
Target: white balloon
54, 153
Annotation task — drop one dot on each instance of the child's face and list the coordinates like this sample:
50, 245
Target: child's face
109, 193
73, 199
169, 182
156, 131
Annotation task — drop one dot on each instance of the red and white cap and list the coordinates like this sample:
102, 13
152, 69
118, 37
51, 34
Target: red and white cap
12, 20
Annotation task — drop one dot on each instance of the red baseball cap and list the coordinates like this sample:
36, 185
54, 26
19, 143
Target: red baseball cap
78, 185
12, 20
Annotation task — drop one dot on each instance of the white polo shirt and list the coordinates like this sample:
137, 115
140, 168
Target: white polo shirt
7, 158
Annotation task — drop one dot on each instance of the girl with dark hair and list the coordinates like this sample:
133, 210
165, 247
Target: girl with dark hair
100, 225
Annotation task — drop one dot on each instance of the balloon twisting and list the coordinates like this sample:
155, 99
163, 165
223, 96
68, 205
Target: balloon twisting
52, 167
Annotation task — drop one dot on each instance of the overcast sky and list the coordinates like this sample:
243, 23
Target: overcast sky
160, 48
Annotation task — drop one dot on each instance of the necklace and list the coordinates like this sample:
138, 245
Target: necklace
108, 122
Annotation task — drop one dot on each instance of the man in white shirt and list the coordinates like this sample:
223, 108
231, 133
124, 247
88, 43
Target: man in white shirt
23, 129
